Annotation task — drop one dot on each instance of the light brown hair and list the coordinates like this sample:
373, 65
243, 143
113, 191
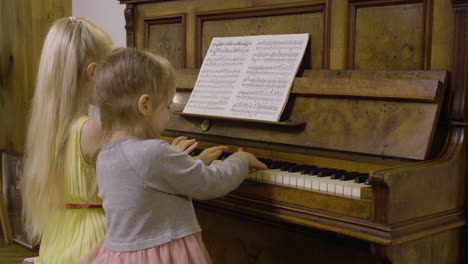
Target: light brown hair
121, 78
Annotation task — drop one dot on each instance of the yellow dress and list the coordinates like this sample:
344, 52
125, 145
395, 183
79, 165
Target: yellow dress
79, 230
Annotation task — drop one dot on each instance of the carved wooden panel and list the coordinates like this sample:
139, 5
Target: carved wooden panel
166, 36
275, 20
234, 240
388, 37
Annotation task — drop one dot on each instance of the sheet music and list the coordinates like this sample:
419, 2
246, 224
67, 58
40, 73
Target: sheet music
247, 77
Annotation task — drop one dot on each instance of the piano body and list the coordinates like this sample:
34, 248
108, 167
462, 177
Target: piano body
380, 94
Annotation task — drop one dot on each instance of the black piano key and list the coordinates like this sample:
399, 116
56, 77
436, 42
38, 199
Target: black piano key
196, 152
224, 155
362, 178
296, 168
287, 166
276, 165
317, 170
307, 169
327, 173
337, 175
265, 160
350, 177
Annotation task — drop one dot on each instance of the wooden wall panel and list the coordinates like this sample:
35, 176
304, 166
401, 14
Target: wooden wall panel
390, 35
312, 22
23, 26
166, 37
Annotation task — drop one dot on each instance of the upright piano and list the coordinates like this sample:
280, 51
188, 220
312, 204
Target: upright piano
367, 163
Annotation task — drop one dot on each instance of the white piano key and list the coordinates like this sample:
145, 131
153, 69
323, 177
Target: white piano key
356, 189
339, 188
292, 180
253, 175
259, 176
315, 183
269, 177
279, 179
300, 181
285, 179
331, 186
324, 184
347, 190
307, 183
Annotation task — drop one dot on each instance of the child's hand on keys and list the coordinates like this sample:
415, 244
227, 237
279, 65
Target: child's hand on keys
254, 163
210, 154
184, 145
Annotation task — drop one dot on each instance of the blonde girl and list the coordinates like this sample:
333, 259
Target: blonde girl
61, 209
146, 185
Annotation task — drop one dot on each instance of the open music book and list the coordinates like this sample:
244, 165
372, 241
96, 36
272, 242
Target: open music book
247, 77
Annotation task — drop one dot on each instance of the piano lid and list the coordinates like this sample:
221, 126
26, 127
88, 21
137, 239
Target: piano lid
383, 113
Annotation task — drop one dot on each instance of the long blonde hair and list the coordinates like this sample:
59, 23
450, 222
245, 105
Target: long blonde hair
121, 78
61, 93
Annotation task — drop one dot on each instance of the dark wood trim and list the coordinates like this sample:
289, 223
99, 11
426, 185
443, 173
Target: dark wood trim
326, 36
358, 229
460, 3
381, 252
454, 123
262, 11
351, 37
180, 18
426, 34
459, 80
129, 14
381, 192
288, 123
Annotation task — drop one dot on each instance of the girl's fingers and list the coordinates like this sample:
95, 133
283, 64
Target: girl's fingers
219, 148
186, 143
177, 140
191, 148
258, 165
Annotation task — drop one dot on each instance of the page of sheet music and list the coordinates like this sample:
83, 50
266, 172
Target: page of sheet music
247, 77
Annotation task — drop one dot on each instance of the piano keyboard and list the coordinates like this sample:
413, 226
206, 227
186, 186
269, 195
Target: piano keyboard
307, 177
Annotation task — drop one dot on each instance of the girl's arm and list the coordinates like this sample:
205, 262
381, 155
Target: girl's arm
90, 138
174, 172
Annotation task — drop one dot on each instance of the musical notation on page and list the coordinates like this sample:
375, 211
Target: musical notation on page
247, 77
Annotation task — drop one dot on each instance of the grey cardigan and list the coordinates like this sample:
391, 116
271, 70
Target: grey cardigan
146, 187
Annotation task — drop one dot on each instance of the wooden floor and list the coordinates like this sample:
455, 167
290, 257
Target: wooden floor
14, 253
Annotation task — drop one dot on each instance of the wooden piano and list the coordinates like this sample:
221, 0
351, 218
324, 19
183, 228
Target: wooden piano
380, 95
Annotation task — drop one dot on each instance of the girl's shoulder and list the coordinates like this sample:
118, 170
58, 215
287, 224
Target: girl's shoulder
142, 154
145, 147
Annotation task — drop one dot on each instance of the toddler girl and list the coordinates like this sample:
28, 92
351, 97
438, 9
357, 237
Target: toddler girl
145, 184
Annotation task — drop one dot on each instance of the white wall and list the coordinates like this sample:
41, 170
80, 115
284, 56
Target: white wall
108, 14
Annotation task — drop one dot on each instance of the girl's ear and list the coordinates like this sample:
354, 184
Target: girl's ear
90, 71
145, 107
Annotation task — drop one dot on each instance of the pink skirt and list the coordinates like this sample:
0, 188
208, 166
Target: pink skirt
185, 250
